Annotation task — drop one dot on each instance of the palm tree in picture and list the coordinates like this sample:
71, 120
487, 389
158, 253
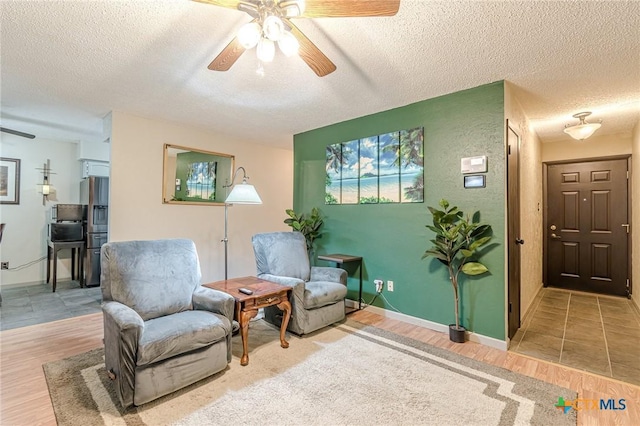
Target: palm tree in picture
408, 150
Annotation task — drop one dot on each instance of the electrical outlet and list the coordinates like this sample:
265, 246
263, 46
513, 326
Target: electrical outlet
389, 285
379, 285
4, 265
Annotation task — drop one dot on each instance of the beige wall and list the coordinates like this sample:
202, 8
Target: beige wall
530, 201
137, 212
635, 224
595, 146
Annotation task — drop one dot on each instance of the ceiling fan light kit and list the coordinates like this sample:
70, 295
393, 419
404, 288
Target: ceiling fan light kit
582, 130
271, 25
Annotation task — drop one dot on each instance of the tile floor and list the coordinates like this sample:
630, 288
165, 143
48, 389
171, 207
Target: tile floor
36, 303
599, 334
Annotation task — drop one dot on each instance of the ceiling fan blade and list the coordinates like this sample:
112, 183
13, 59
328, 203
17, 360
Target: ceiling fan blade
309, 53
232, 4
17, 133
228, 56
347, 8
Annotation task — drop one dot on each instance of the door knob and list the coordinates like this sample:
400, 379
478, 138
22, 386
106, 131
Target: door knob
553, 227
555, 236
519, 241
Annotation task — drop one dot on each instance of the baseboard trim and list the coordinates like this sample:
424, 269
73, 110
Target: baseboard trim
29, 283
471, 336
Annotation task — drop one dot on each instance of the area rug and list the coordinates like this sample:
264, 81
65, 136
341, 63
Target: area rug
348, 374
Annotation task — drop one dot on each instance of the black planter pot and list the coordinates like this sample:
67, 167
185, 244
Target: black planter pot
456, 334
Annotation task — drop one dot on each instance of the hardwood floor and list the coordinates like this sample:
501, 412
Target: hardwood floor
24, 397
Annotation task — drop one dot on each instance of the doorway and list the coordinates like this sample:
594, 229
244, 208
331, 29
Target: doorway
587, 226
513, 229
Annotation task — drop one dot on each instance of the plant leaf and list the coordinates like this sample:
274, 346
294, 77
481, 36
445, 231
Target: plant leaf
435, 253
477, 243
474, 268
466, 253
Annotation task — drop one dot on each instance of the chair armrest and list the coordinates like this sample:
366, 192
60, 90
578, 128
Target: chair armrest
327, 273
296, 283
291, 282
123, 328
123, 316
219, 302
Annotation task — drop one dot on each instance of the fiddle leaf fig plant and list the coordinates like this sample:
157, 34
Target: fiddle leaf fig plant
309, 226
456, 245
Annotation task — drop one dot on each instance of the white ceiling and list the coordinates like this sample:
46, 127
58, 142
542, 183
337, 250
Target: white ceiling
66, 64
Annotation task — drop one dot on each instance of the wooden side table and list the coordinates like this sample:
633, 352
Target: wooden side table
265, 293
339, 259
52, 254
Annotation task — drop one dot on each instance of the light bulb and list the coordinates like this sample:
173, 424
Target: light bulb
288, 44
266, 50
249, 35
273, 28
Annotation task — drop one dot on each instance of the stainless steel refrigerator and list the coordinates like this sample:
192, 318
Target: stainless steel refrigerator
94, 193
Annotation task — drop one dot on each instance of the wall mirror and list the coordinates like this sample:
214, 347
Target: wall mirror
195, 176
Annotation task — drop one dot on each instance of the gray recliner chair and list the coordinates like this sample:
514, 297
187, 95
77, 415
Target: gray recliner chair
162, 329
318, 292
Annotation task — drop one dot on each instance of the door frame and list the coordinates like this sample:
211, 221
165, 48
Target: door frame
514, 232
545, 227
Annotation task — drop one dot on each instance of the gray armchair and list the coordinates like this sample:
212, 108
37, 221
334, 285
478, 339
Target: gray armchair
162, 329
318, 292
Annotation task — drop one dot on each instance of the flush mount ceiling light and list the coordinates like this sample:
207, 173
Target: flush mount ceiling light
582, 130
272, 25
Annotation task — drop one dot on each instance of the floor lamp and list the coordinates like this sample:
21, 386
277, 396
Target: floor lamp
243, 193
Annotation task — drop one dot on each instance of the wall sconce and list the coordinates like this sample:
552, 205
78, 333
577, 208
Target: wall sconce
582, 130
242, 193
46, 181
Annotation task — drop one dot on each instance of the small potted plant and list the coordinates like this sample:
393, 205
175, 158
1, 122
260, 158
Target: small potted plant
309, 226
457, 240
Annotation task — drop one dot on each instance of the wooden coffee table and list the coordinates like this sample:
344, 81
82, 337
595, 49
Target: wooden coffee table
265, 293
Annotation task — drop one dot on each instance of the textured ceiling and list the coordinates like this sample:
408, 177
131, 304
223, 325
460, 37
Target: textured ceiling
66, 64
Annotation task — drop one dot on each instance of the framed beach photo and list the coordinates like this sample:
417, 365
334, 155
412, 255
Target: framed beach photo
9, 181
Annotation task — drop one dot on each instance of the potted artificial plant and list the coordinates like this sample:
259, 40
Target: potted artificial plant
309, 226
457, 240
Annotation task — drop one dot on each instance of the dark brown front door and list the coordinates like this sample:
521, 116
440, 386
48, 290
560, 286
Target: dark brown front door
513, 231
587, 226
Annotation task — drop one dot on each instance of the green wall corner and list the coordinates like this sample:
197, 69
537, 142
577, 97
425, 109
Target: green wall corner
391, 238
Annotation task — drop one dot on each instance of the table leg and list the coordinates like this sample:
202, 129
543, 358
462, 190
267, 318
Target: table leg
48, 263
55, 269
360, 288
73, 263
285, 306
244, 318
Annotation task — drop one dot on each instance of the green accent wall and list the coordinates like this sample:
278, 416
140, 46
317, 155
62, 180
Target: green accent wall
392, 238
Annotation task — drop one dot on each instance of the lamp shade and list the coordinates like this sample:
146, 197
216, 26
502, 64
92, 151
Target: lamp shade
249, 35
288, 44
243, 193
266, 50
582, 130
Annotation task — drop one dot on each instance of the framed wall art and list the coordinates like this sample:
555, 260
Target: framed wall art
9, 181
380, 169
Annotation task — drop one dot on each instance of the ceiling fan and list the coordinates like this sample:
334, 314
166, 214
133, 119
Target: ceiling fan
272, 24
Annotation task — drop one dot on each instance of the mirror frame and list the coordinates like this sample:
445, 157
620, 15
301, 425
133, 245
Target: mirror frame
169, 175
